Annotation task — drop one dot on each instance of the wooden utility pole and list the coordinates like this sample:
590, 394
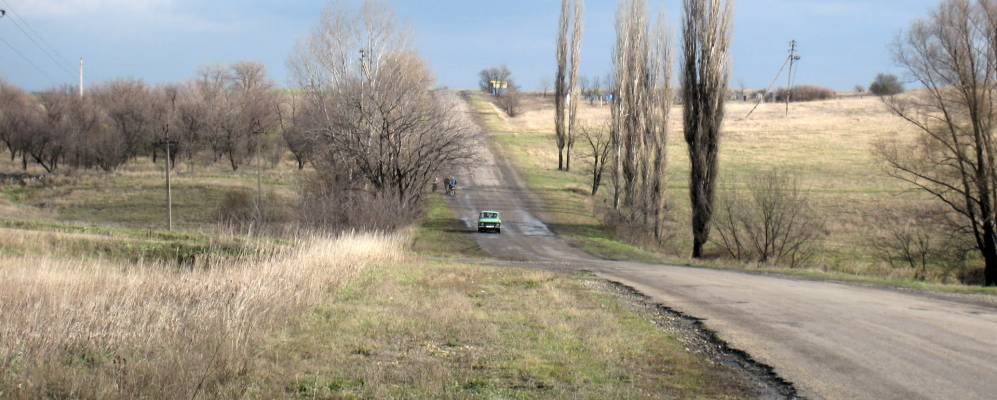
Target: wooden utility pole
793, 58
169, 184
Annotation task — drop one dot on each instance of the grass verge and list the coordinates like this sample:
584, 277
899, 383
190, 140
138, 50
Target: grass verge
442, 234
442, 330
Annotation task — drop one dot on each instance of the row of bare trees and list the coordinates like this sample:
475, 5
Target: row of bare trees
228, 112
643, 98
640, 114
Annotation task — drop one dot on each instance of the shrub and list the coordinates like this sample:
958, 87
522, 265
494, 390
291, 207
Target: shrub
922, 239
329, 203
886, 85
509, 101
773, 222
804, 93
237, 210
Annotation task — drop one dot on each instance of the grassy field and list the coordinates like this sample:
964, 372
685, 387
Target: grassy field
99, 300
828, 146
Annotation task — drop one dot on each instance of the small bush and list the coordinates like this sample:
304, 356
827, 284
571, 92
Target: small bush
924, 240
773, 222
237, 210
329, 203
804, 93
886, 85
509, 102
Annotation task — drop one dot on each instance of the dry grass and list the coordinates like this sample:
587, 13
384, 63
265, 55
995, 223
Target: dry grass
827, 145
95, 329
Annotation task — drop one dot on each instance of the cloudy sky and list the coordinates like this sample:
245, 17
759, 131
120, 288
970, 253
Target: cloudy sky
843, 42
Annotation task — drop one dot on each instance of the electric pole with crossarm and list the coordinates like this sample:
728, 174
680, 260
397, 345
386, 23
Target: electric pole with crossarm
794, 56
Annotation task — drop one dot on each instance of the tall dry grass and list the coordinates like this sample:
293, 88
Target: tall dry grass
97, 329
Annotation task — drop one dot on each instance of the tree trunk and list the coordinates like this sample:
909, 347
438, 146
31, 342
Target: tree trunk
989, 251
560, 159
571, 145
596, 176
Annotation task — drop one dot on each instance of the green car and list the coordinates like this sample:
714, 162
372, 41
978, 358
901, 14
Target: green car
490, 221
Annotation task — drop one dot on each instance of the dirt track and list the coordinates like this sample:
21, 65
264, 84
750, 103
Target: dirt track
831, 340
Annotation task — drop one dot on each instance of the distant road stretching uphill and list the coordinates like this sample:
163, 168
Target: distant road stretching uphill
831, 340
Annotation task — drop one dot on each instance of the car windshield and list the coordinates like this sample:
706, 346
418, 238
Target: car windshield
489, 215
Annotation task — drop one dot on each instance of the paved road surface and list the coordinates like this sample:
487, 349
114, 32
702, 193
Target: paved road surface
831, 340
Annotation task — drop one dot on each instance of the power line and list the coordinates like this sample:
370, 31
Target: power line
26, 59
769, 88
65, 60
22, 25
791, 60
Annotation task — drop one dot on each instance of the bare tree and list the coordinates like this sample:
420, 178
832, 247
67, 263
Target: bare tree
598, 139
659, 126
15, 116
574, 96
561, 87
509, 100
293, 129
706, 29
494, 80
48, 141
953, 55
193, 120
380, 127
544, 86
127, 103
632, 69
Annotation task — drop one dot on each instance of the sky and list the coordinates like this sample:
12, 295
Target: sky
843, 43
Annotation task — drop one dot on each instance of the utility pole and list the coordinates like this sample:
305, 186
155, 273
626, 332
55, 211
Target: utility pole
169, 184
81, 77
793, 58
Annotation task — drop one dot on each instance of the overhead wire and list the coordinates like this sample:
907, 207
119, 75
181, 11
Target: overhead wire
769, 88
35, 32
26, 59
22, 25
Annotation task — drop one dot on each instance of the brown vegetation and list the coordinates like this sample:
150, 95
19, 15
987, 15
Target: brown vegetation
774, 222
96, 329
803, 93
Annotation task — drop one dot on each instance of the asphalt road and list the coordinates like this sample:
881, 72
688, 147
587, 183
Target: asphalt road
830, 340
